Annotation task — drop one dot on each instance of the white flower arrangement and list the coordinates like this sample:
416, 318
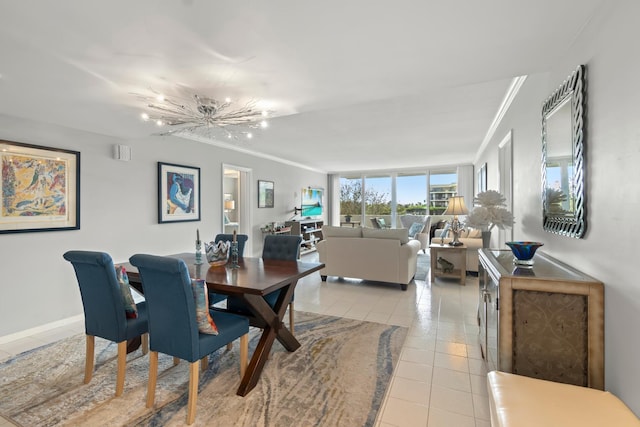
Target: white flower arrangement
489, 212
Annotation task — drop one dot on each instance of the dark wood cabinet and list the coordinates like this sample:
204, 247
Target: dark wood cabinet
545, 322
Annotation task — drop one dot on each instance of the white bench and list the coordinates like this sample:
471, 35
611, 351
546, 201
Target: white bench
516, 400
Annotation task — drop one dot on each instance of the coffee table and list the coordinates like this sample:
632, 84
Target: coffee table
448, 252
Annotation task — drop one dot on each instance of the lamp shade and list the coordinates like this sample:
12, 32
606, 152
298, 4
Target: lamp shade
229, 205
456, 206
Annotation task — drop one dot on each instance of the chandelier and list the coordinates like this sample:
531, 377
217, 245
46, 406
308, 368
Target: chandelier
203, 115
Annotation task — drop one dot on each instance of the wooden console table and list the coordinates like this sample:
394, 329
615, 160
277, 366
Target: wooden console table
544, 322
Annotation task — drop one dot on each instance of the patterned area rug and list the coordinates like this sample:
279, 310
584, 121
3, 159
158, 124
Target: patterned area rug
338, 377
424, 266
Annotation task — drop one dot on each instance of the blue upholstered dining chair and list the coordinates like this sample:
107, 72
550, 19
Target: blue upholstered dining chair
276, 246
173, 328
241, 239
104, 309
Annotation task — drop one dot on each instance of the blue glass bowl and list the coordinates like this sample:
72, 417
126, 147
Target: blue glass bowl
524, 251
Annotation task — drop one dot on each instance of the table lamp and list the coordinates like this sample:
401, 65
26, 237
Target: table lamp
456, 207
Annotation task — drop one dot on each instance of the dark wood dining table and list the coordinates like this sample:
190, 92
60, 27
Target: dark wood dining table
251, 281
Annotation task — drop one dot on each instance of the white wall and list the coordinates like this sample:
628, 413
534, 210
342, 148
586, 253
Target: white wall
608, 250
119, 215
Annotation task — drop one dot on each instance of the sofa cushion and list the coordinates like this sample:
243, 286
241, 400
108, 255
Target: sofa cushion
333, 231
470, 233
401, 234
416, 228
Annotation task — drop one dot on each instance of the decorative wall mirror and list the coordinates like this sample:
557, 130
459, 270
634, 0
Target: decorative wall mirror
563, 169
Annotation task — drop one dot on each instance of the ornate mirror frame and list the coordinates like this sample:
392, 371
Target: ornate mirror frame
563, 168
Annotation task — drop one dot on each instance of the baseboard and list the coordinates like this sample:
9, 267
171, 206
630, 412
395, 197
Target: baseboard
42, 328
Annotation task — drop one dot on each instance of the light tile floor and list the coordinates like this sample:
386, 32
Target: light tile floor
440, 379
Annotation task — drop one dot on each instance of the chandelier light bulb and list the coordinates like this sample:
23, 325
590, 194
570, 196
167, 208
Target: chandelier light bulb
227, 99
160, 98
159, 122
264, 124
144, 116
249, 135
265, 113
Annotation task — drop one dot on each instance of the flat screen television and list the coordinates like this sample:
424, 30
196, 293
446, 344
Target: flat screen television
311, 202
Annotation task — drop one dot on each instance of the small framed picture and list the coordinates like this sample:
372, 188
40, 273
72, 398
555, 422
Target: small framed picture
265, 194
40, 188
178, 193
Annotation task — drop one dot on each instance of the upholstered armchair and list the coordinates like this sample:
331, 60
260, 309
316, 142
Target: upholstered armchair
419, 228
276, 246
379, 223
105, 313
174, 327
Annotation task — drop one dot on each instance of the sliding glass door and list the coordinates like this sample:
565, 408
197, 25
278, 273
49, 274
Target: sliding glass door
377, 201
364, 197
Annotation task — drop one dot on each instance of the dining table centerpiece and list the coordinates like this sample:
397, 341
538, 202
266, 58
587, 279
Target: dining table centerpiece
489, 211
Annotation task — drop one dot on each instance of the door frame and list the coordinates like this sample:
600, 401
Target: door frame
505, 181
244, 198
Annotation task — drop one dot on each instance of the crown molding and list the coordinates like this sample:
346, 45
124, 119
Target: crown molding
512, 91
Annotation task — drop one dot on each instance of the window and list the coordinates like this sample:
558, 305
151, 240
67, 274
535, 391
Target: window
411, 194
351, 198
442, 185
390, 195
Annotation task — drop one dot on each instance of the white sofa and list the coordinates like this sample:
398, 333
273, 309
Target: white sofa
370, 254
471, 238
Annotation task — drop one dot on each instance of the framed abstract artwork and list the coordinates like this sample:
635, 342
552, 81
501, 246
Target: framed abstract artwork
40, 188
178, 193
265, 194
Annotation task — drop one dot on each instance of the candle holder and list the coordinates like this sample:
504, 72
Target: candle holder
234, 255
198, 252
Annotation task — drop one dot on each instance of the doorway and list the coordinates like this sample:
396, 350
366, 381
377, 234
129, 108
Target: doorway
505, 171
236, 199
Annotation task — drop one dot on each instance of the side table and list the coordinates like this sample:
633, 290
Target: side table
459, 271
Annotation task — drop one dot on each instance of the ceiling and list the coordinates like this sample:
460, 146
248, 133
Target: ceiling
356, 85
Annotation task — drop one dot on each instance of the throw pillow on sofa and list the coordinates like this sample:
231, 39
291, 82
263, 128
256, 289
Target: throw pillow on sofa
416, 228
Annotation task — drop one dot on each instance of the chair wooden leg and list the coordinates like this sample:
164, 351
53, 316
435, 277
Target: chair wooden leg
176, 360
291, 318
244, 353
145, 343
122, 366
204, 363
193, 392
229, 346
153, 378
88, 363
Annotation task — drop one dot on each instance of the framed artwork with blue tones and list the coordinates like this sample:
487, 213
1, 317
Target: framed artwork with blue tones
40, 188
178, 193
